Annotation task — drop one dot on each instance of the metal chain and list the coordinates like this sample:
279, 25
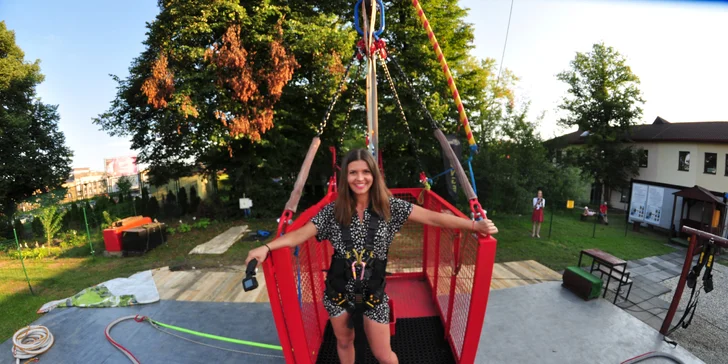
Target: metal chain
322, 126
401, 112
354, 94
432, 121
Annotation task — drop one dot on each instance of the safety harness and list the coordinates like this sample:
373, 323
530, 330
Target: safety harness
367, 271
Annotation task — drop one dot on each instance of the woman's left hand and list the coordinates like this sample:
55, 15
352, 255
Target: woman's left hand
486, 226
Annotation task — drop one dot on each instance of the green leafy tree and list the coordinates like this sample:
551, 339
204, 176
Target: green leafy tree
51, 219
211, 73
34, 155
181, 101
604, 100
124, 185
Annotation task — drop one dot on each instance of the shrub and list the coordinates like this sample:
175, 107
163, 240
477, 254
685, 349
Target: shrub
182, 201
183, 228
201, 223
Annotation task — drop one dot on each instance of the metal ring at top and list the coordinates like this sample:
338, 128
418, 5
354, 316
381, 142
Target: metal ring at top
356, 19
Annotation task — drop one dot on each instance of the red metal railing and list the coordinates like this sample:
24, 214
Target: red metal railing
456, 266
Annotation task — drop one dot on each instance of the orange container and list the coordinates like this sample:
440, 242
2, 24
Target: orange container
112, 236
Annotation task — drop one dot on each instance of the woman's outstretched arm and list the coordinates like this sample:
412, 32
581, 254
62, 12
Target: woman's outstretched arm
288, 240
428, 217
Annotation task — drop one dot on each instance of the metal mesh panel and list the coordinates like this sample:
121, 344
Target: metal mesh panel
311, 262
465, 272
405, 252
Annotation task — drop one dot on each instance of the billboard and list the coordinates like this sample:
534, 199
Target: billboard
121, 166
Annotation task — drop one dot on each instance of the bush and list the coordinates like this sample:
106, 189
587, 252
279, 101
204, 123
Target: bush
212, 208
183, 228
145, 201
139, 206
153, 207
201, 223
19, 229
72, 239
108, 220
36, 253
194, 200
171, 208
37, 227
182, 201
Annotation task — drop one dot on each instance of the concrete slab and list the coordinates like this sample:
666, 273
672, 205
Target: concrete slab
546, 323
221, 243
79, 334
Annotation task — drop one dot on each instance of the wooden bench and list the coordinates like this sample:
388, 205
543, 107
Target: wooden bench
612, 266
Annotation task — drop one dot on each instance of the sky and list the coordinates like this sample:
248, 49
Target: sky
677, 49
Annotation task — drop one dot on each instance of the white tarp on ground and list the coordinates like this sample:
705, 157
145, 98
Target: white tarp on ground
221, 243
118, 292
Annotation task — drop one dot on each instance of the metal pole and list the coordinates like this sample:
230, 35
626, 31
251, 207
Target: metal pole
594, 231
85, 220
372, 110
17, 244
551, 222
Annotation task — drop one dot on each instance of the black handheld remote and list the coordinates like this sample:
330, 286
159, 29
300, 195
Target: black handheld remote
249, 282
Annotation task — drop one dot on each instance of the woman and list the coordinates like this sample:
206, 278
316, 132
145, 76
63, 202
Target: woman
537, 216
363, 197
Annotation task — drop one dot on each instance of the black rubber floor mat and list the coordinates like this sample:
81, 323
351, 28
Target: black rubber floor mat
416, 340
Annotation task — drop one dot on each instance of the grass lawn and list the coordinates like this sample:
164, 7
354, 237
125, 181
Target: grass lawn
57, 278
569, 235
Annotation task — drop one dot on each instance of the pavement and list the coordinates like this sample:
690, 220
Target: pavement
655, 279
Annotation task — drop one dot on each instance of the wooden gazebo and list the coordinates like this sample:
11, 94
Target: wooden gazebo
693, 195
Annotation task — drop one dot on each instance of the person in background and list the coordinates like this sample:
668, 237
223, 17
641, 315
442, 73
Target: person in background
603, 213
537, 217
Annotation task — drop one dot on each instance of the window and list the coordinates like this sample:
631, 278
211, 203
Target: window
683, 163
711, 163
624, 196
643, 159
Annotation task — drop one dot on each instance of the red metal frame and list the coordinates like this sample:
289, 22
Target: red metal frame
692, 251
298, 336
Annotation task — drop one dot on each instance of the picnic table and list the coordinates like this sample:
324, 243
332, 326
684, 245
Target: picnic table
610, 265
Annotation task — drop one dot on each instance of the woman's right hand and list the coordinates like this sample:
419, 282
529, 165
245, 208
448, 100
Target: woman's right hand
259, 254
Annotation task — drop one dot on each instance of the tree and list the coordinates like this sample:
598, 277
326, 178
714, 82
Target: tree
202, 81
124, 185
34, 155
51, 219
194, 199
181, 104
182, 200
604, 100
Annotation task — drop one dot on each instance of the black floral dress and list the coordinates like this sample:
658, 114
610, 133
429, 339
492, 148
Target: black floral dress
328, 229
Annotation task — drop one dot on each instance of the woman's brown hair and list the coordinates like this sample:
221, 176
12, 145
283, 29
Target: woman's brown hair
345, 205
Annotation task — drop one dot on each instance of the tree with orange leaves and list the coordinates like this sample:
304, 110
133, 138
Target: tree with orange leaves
208, 89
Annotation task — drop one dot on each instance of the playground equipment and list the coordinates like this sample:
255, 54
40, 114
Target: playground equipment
432, 272
709, 245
